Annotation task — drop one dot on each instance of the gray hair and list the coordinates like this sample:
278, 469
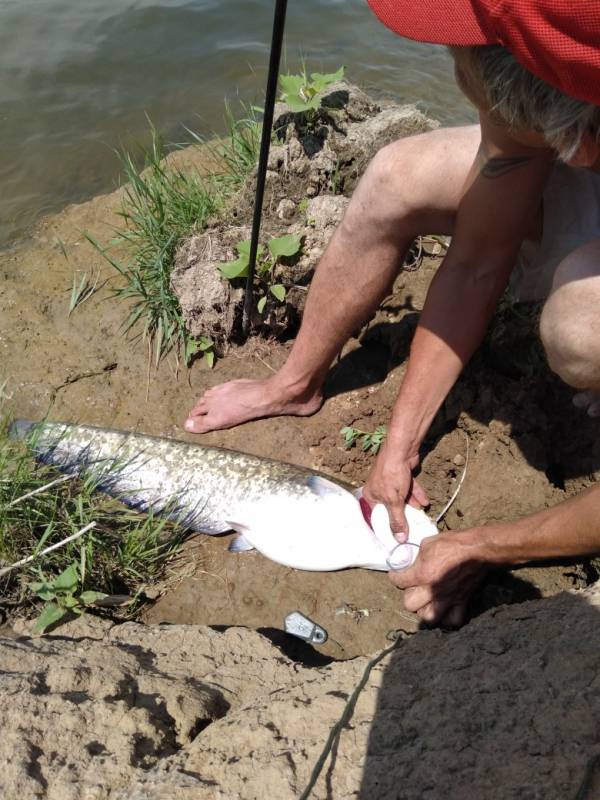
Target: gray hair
525, 102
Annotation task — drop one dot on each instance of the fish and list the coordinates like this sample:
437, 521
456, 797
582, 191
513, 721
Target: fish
298, 517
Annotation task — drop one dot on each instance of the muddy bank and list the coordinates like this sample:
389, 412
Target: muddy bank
507, 707
528, 448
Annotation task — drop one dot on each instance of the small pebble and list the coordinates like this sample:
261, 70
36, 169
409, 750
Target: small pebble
458, 460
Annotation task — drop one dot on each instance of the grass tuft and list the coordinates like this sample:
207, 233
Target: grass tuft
124, 550
163, 204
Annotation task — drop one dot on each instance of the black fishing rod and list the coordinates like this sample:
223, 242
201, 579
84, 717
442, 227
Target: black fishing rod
276, 43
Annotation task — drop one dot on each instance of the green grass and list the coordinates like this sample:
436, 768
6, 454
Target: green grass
163, 204
239, 149
124, 550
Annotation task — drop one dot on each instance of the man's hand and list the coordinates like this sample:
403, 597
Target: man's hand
439, 583
391, 482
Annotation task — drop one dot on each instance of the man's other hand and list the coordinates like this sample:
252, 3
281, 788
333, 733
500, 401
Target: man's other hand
438, 585
391, 482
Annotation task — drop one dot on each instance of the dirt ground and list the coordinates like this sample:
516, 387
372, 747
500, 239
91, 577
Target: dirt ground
528, 448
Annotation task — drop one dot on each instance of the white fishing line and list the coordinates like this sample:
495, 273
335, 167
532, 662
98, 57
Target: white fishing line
40, 489
49, 549
440, 516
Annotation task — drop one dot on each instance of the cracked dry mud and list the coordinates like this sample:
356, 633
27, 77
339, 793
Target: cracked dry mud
508, 707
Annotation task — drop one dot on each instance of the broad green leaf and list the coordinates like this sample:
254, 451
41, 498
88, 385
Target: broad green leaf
297, 105
322, 81
50, 614
69, 601
243, 249
90, 597
234, 269
287, 245
192, 346
209, 357
291, 84
278, 291
261, 304
199, 345
68, 579
40, 586
46, 594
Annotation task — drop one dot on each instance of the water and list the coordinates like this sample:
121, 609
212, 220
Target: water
79, 79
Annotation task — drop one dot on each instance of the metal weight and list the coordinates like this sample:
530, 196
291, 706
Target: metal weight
304, 628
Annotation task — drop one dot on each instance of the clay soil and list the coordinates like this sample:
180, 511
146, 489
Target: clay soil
528, 448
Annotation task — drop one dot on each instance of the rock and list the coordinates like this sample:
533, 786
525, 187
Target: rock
208, 302
506, 707
326, 211
322, 158
286, 209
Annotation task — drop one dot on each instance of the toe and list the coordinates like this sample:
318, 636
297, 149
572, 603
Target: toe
199, 409
196, 425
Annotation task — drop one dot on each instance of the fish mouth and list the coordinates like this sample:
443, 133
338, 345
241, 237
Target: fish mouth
366, 511
21, 428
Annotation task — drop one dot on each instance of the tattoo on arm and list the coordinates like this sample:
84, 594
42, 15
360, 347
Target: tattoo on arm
496, 167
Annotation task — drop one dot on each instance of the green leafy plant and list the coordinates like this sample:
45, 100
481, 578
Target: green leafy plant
266, 260
202, 345
303, 93
63, 596
370, 441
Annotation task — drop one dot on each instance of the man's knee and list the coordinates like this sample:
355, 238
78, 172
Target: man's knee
570, 323
384, 193
402, 186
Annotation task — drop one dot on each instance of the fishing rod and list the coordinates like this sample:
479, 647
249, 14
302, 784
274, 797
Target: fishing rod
274, 58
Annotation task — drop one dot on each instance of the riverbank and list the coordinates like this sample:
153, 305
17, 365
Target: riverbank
174, 708
81, 367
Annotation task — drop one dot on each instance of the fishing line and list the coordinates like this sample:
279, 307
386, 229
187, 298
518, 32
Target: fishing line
275, 56
336, 730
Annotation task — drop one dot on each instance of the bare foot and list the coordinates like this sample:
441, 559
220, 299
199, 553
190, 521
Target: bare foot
230, 404
589, 401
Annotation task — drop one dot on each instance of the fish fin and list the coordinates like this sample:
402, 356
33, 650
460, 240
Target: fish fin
324, 487
240, 544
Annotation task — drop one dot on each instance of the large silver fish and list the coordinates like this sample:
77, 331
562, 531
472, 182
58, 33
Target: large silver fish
295, 516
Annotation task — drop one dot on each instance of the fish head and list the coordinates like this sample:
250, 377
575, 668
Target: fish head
319, 526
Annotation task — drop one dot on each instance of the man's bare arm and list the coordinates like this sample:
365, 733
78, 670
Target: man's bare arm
500, 199
500, 202
441, 579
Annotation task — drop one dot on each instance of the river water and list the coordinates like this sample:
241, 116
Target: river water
79, 78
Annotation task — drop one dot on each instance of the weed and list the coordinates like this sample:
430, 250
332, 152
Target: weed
202, 345
280, 247
241, 147
303, 94
63, 596
124, 549
369, 441
238, 150
161, 205
82, 291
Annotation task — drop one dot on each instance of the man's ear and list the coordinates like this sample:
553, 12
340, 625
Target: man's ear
587, 153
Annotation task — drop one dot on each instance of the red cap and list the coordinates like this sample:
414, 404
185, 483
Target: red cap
556, 40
